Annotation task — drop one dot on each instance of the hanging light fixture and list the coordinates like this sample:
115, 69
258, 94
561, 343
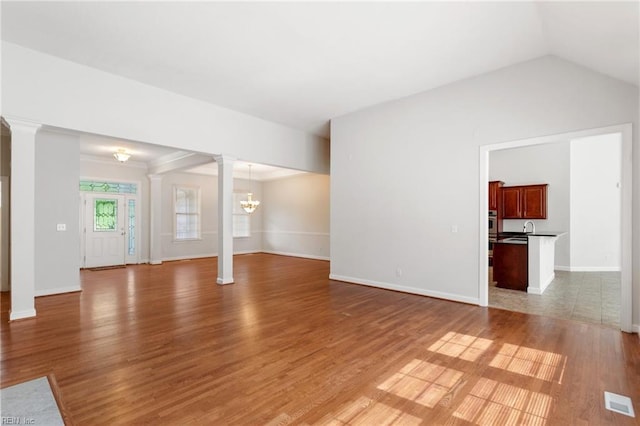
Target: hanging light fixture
121, 155
249, 205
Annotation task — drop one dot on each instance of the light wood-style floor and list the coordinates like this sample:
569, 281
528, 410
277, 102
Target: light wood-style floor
286, 345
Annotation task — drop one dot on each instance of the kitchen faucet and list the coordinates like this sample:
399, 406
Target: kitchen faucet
533, 227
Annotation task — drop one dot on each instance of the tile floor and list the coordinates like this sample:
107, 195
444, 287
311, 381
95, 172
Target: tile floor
592, 297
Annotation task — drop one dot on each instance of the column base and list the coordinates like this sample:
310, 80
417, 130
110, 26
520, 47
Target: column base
224, 281
18, 315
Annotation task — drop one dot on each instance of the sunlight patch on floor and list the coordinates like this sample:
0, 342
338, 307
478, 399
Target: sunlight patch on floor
491, 402
461, 346
365, 411
422, 382
529, 362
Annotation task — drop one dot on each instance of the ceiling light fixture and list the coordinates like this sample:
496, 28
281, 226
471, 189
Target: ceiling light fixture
249, 205
121, 155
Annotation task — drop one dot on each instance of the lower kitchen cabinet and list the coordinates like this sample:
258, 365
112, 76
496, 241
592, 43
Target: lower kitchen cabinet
510, 265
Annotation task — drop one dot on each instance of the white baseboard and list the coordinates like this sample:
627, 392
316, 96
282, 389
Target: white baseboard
202, 256
404, 289
18, 315
247, 252
189, 257
588, 268
57, 290
636, 328
306, 256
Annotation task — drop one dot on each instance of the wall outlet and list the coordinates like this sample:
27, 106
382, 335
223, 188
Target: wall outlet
61, 227
454, 228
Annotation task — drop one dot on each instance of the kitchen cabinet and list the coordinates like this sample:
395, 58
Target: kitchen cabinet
510, 265
494, 194
524, 202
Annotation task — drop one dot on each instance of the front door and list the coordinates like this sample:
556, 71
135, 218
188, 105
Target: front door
105, 230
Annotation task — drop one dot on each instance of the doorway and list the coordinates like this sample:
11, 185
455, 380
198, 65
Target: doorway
104, 218
625, 293
108, 230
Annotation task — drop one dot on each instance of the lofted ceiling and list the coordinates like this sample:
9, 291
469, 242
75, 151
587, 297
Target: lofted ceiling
303, 63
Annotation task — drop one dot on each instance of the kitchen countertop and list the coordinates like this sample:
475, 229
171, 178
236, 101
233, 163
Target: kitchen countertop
523, 237
508, 234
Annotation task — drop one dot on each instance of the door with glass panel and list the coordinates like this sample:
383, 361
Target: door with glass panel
105, 230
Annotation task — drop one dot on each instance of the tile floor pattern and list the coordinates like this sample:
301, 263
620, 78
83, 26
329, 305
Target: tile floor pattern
592, 297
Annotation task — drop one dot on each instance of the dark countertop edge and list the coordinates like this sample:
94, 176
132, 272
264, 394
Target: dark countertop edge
530, 234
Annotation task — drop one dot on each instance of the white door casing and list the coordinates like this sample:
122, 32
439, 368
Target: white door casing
105, 230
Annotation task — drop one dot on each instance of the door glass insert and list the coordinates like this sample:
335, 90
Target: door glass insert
132, 228
105, 215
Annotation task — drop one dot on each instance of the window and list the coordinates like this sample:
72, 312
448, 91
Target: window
186, 205
241, 219
131, 249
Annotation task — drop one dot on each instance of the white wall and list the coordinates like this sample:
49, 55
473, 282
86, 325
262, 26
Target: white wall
60, 93
57, 268
207, 246
595, 203
403, 173
296, 216
548, 163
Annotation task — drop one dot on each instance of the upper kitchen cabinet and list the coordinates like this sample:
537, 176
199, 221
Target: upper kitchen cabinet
524, 202
494, 194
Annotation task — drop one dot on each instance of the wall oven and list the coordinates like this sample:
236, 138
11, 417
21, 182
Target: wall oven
493, 233
493, 223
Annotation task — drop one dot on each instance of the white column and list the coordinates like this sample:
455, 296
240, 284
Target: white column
23, 185
225, 219
155, 219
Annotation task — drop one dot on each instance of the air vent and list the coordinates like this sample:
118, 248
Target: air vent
619, 404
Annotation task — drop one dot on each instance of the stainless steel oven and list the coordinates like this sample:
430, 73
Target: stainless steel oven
493, 223
493, 233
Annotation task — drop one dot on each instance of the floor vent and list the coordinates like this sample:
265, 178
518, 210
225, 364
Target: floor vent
619, 404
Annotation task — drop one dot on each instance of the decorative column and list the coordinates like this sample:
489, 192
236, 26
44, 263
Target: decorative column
155, 219
225, 219
23, 185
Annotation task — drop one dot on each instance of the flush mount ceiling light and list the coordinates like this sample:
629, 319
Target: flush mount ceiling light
121, 155
249, 205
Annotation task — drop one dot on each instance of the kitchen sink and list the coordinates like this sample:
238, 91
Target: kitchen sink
514, 234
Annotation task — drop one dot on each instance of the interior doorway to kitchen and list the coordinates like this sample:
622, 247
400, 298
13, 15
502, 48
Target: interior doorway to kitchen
577, 287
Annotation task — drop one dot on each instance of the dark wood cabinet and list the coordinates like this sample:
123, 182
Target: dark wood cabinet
511, 202
494, 194
524, 202
511, 266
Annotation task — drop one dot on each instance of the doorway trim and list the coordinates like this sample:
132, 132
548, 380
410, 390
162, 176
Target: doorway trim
626, 290
129, 259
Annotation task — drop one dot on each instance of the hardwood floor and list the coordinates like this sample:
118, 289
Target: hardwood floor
286, 345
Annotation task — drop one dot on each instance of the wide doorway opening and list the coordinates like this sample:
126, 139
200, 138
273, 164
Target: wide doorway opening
592, 269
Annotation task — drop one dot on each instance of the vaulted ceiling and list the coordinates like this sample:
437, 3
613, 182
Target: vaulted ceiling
301, 63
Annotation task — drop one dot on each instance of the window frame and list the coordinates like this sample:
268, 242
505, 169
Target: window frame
197, 213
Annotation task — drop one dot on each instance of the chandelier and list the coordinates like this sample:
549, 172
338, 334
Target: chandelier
249, 205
